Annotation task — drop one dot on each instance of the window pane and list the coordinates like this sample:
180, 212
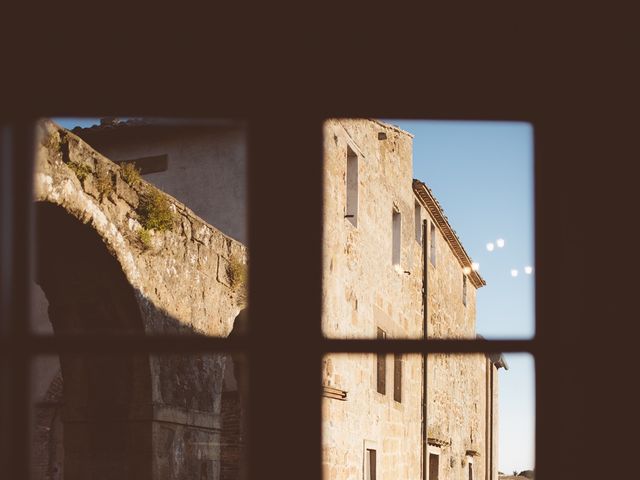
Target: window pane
461, 233
480, 412
140, 226
139, 416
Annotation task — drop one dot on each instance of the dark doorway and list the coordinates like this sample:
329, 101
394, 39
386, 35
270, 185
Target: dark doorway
434, 466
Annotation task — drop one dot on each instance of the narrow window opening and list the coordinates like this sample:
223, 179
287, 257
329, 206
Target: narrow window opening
470, 467
397, 226
352, 187
418, 222
381, 366
432, 246
397, 377
370, 464
464, 290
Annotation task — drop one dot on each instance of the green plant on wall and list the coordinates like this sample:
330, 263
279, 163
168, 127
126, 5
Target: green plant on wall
53, 142
80, 169
155, 210
144, 236
104, 183
130, 173
238, 273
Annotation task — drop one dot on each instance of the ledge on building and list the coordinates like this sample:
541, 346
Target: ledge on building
437, 442
334, 393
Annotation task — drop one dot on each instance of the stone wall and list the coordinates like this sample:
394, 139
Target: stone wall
206, 167
365, 291
181, 275
179, 280
457, 383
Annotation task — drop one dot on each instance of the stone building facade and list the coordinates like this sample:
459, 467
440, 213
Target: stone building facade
377, 262
393, 268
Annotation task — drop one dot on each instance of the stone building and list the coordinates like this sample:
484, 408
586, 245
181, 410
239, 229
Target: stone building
393, 268
387, 242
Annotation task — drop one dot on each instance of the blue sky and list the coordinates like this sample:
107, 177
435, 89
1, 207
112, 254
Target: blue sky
482, 175
69, 123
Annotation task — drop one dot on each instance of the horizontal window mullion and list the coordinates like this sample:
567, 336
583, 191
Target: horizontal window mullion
135, 343
459, 346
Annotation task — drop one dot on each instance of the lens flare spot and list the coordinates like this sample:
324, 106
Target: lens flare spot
490, 246
475, 266
514, 272
528, 269
500, 242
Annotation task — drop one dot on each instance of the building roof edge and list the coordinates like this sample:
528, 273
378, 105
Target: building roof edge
391, 126
427, 199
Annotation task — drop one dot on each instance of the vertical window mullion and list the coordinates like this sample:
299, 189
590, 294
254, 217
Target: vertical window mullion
16, 221
285, 242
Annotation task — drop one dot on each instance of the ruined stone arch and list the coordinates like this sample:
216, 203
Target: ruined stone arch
127, 416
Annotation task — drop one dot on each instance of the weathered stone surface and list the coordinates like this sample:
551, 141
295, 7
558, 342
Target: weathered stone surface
131, 416
182, 282
176, 276
364, 291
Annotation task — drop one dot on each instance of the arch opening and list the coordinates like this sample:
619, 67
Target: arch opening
97, 410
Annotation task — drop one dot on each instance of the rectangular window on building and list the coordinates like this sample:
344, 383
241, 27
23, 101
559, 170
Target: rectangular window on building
470, 467
381, 366
352, 187
434, 466
397, 228
370, 464
155, 164
397, 377
417, 222
432, 246
464, 290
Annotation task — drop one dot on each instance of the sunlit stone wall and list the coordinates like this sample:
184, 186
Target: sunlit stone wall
365, 291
